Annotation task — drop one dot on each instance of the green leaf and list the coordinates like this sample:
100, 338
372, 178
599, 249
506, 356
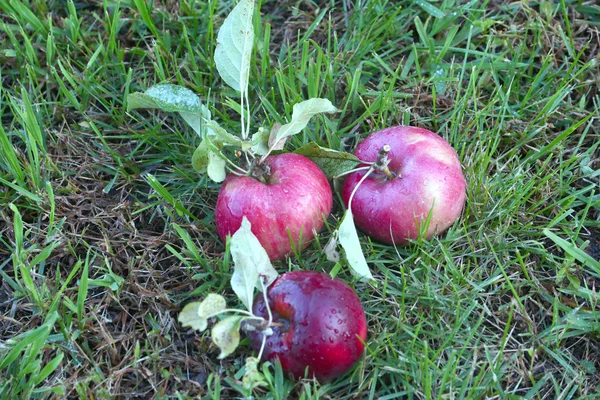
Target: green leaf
332, 162
301, 114
9, 53
82, 292
260, 142
430, 9
49, 368
234, 46
167, 97
196, 314
36, 338
206, 158
351, 245
251, 264
200, 157
216, 167
111, 281
226, 334
172, 98
220, 136
574, 251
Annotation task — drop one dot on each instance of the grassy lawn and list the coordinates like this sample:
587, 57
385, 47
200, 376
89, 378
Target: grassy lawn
106, 230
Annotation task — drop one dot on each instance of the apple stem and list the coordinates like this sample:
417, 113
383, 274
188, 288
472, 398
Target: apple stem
270, 322
231, 170
262, 346
264, 290
255, 323
246, 153
371, 169
381, 165
264, 157
259, 171
382, 161
234, 310
351, 171
233, 167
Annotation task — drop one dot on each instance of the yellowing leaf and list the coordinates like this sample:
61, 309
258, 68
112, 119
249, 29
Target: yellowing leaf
260, 142
220, 136
252, 377
251, 262
273, 143
212, 305
301, 114
330, 248
351, 245
226, 335
188, 317
200, 157
216, 167
196, 314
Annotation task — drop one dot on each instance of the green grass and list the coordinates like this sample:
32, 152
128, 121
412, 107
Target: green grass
106, 230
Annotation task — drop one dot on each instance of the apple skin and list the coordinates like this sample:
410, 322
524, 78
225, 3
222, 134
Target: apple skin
429, 175
323, 325
297, 197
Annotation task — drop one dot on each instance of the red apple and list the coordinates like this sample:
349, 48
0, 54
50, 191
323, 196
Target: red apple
292, 203
428, 179
319, 324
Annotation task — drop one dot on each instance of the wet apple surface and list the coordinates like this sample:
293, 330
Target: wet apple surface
319, 324
428, 179
288, 207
